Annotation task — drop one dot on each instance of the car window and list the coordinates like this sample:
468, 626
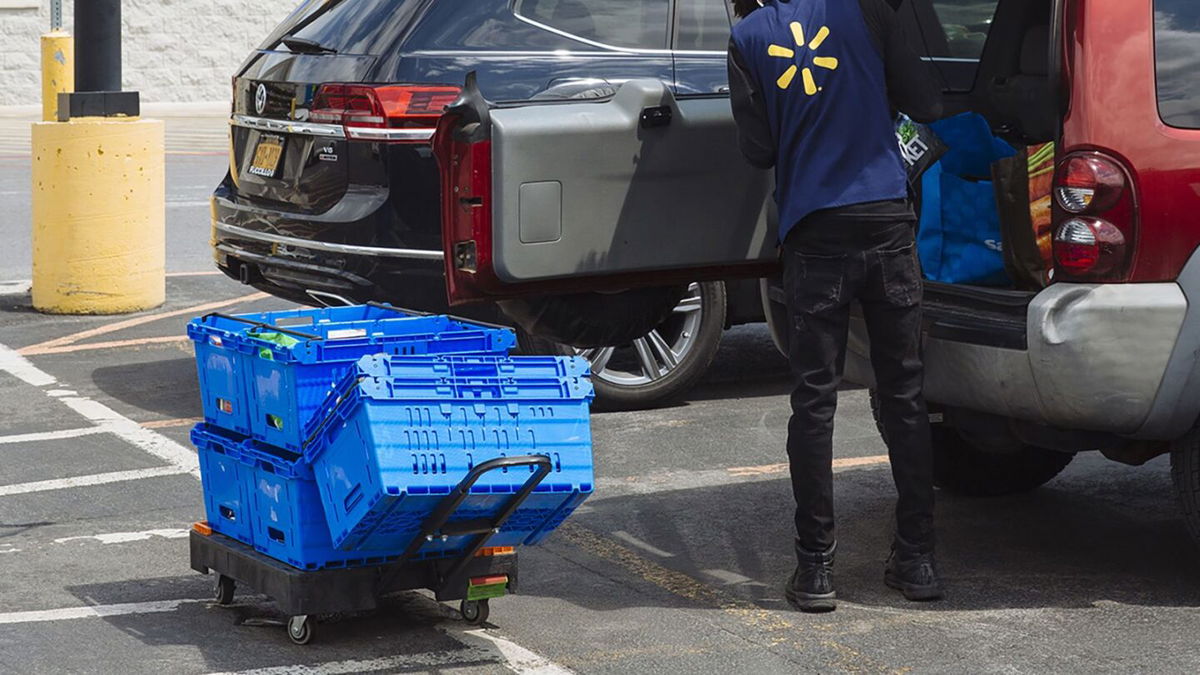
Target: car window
1177, 56
348, 26
634, 24
964, 25
702, 25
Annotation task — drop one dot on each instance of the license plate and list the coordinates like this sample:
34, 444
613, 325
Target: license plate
266, 157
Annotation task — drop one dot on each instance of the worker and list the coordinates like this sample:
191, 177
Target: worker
814, 85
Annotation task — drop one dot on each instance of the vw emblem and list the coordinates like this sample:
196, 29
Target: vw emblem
260, 99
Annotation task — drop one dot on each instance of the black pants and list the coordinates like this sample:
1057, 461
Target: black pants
828, 263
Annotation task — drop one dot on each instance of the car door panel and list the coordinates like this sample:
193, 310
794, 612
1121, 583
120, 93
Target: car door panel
587, 196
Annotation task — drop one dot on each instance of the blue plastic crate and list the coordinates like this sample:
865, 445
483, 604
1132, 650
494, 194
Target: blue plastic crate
404, 431
265, 375
224, 479
279, 512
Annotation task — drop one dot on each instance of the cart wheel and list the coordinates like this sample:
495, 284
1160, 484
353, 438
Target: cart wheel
474, 612
224, 591
300, 629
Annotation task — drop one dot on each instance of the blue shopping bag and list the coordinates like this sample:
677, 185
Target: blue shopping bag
960, 239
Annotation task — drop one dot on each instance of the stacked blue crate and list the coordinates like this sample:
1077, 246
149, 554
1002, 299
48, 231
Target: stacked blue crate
403, 431
269, 500
264, 375
262, 378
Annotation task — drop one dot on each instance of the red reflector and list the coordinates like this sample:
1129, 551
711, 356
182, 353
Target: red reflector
487, 581
1088, 246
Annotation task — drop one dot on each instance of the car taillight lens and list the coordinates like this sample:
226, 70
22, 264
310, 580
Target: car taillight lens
1095, 216
398, 112
1088, 184
1088, 246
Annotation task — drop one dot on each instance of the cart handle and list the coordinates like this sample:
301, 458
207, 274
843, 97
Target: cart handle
452, 501
259, 324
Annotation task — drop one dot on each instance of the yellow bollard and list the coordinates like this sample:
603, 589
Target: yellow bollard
58, 70
99, 215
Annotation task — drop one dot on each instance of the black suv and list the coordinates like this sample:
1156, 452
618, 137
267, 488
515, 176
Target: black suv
333, 194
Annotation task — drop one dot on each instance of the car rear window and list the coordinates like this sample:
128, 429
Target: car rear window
349, 26
1177, 56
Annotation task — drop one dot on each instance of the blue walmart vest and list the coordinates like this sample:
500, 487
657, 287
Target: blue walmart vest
826, 95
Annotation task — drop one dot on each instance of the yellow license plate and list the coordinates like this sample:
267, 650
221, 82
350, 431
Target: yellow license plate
266, 157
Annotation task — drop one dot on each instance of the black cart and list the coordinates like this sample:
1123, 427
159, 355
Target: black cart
473, 578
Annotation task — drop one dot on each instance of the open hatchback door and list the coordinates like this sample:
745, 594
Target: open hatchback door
547, 198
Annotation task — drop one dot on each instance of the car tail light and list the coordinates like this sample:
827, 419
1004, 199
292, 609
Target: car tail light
466, 177
1088, 183
1095, 219
390, 113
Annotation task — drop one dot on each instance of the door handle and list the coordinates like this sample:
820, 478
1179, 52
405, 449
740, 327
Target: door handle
723, 90
657, 116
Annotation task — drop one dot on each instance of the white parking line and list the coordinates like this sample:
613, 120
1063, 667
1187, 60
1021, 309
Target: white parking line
630, 539
84, 481
126, 537
150, 441
52, 435
20, 367
517, 658
93, 612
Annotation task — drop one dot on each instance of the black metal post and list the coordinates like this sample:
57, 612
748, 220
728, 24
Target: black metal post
98, 45
98, 65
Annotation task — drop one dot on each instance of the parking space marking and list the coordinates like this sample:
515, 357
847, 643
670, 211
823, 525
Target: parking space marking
517, 658
115, 344
630, 539
148, 440
36, 349
86, 481
204, 273
126, 537
93, 611
840, 463
14, 364
52, 435
173, 423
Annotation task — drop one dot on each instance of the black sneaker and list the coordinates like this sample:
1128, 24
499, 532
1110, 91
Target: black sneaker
811, 587
913, 572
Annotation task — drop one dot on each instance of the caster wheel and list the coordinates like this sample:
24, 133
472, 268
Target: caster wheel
474, 612
224, 590
300, 629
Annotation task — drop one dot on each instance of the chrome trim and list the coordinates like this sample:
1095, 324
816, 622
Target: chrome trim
349, 249
572, 36
288, 126
371, 134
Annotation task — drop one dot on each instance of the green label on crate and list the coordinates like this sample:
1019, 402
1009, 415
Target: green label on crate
486, 591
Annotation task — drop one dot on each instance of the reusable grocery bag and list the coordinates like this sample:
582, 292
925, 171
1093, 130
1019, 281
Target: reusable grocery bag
960, 240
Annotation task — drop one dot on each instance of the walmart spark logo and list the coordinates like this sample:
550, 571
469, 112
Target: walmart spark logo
806, 74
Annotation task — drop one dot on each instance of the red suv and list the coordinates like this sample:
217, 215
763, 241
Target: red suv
646, 187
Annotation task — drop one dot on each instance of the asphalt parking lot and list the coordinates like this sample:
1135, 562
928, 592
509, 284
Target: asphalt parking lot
674, 565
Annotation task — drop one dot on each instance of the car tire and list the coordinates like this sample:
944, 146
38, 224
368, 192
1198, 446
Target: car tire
1185, 474
775, 311
592, 320
692, 334
961, 467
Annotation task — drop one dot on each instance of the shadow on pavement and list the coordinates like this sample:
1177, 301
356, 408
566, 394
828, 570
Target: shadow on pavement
1062, 546
167, 387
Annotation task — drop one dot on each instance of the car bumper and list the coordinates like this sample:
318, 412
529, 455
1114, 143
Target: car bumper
1097, 358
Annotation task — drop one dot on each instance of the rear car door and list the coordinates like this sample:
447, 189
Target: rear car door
645, 187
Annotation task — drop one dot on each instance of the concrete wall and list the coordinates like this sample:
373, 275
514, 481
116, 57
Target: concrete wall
174, 50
